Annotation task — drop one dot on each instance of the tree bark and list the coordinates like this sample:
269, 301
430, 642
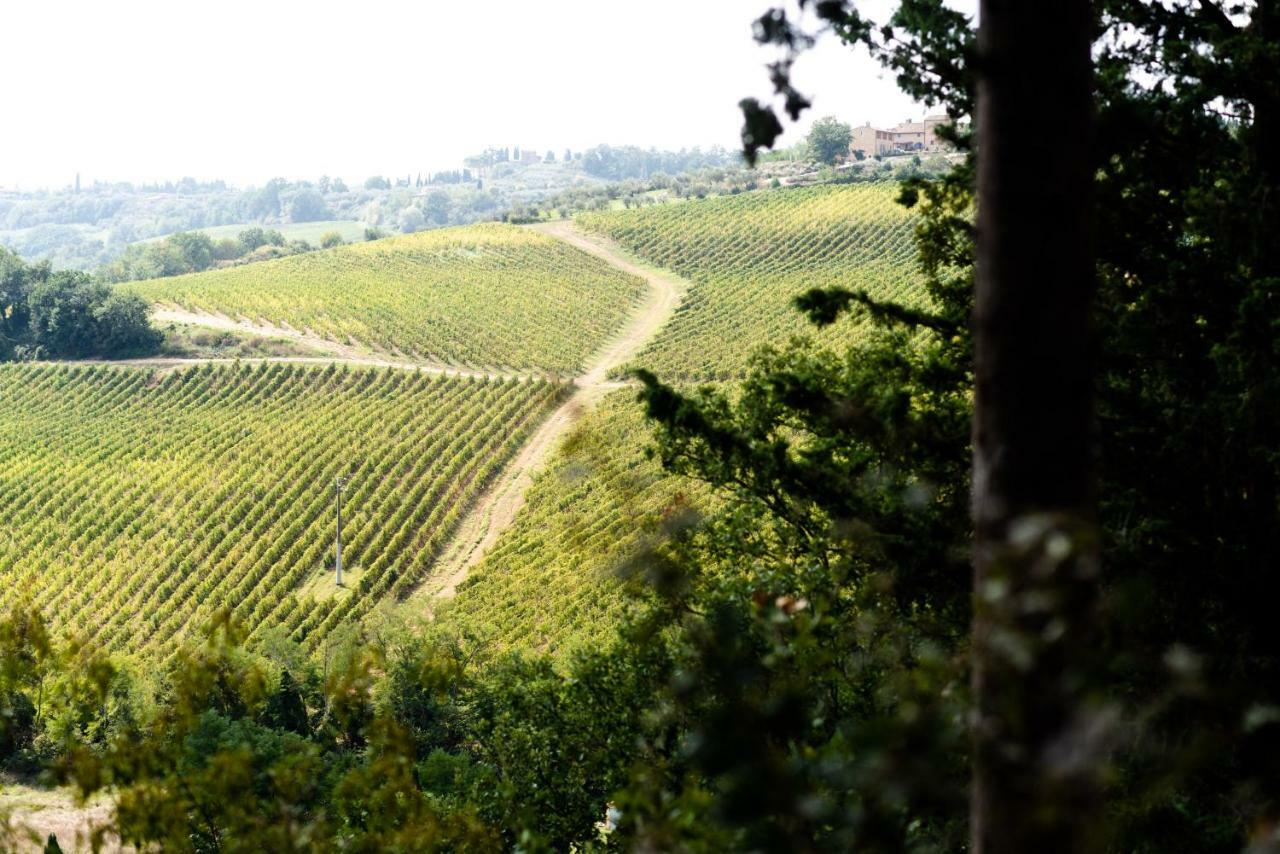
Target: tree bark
1037, 741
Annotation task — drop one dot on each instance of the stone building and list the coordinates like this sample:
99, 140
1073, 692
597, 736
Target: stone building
906, 136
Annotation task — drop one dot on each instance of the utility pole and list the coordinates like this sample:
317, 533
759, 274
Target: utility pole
339, 483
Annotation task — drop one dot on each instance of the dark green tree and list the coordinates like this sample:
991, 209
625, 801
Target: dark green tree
63, 314
17, 278
67, 314
265, 202
829, 140
437, 209
195, 249
252, 238
285, 708
123, 326
308, 206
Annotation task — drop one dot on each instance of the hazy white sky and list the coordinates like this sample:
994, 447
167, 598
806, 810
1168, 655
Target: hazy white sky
159, 89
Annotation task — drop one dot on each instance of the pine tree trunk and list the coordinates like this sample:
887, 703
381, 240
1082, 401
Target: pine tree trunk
1036, 742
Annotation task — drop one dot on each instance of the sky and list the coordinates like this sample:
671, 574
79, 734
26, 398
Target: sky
145, 90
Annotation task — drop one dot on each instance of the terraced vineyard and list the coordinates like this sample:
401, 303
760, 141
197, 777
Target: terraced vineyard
484, 296
748, 255
136, 504
551, 583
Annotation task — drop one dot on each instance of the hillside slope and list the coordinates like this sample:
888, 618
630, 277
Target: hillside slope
747, 256
484, 296
137, 504
555, 580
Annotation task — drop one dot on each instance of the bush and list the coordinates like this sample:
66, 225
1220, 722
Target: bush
123, 328
331, 239
228, 249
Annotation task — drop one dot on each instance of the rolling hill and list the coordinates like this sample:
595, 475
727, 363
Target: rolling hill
554, 581
747, 256
485, 296
138, 503
141, 502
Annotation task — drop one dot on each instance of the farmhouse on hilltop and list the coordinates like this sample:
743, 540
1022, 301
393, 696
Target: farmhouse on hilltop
906, 136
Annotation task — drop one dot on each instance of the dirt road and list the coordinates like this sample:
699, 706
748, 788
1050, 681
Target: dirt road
497, 508
178, 314
332, 351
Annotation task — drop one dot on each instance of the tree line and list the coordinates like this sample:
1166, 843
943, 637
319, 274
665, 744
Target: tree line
194, 252
66, 314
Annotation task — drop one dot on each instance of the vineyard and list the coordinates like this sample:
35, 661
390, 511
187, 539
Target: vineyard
138, 504
485, 296
554, 582
748, 255
141, 503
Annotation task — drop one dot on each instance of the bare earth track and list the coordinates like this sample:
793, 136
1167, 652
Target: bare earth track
327, 349
178, 314
497, 508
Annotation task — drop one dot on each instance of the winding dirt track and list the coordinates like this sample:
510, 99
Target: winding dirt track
497, 508
494, 512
